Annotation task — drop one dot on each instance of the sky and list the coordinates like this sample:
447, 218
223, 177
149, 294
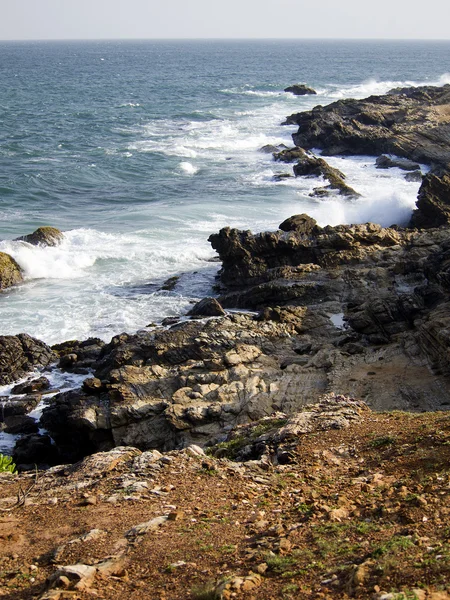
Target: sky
150, 19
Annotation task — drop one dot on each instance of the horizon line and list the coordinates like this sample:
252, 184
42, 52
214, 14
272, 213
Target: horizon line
226, 39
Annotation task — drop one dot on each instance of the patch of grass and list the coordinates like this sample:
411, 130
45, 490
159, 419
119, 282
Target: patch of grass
206, 591
231, 448
228, 548
278, 563
382, 441
396, 543
290, 587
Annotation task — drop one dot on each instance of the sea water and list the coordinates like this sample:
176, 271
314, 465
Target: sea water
140, 150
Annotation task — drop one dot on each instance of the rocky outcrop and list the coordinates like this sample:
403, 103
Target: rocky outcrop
433, 203
10, 272
43, 236
309, 165
300, 89
20, 354
412, 123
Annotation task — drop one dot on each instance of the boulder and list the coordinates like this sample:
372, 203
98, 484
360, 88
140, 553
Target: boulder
414, 176
20, 424
271, 149
208, 307
10, 272
300, 89
43, 236
20, 354
300, 223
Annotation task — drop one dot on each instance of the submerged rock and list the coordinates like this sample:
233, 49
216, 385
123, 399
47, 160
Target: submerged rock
43, 236
386, 162
10, 272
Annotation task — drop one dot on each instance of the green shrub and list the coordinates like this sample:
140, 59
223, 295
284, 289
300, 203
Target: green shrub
6, 464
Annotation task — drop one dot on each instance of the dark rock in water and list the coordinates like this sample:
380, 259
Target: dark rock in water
321, 192
170, 283
433, 204
414, 176
290, 155
282, 177
311, 166
300, 89
20, 424
20, 354
408, 122
386, 162
208, 307
20, 406
43, 236
270, 148
31, 387
170, 321
35, 449
300, 223
10, 272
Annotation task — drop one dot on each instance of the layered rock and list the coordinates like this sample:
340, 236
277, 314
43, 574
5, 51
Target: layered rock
413, 123
433, 203
20, 354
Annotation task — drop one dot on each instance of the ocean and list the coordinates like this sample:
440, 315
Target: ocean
139, 150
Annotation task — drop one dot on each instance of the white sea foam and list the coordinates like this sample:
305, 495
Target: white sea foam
188, 168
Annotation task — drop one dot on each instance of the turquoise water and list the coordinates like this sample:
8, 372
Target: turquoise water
140, 150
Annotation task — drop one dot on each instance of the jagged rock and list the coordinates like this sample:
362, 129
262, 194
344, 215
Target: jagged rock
386, 162
208, 307
20, 354
300, 89
433, 204
76, 356
407, 122
43, 236
10, 272
317, 167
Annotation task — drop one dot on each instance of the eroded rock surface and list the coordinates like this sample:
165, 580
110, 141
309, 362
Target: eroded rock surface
20, 354
43, 236
10, 271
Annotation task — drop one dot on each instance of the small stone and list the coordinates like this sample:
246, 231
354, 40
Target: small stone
176, 515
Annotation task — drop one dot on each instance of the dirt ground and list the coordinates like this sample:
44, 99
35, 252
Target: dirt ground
361, 512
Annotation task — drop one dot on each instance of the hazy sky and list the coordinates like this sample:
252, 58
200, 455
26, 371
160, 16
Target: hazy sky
96, 19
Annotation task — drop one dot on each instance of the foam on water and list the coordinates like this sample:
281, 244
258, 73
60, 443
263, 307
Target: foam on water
140, 168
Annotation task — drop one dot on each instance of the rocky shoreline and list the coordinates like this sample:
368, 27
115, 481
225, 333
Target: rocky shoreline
358, 310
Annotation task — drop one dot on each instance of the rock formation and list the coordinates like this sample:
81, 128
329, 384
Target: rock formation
300, 89
43, 236
20, 354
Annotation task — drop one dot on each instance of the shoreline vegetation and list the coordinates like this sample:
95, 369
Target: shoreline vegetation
253, 435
